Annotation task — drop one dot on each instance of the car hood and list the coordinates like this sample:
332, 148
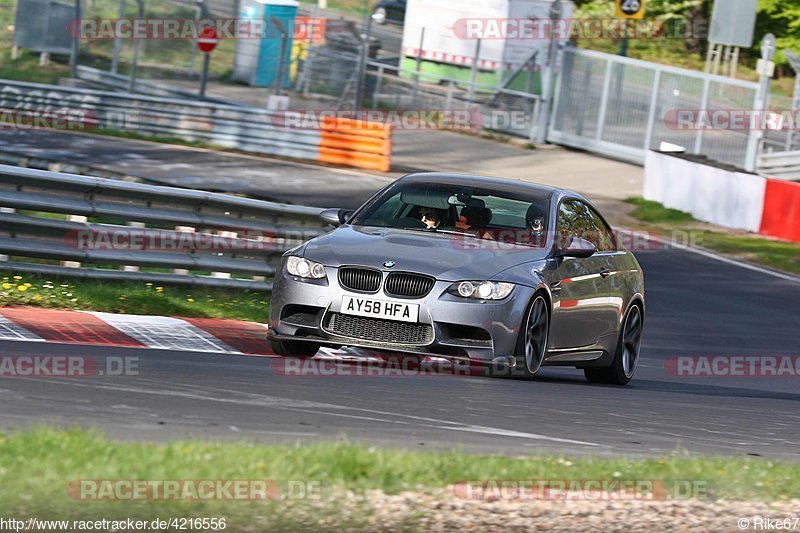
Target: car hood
446, 257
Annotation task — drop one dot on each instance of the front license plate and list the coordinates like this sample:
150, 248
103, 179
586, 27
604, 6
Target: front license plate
380, 309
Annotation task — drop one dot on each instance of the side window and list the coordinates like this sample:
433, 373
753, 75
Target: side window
576, 219
605, 236
569, 225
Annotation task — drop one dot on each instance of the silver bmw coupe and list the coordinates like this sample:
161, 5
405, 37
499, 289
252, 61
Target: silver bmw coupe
504, 273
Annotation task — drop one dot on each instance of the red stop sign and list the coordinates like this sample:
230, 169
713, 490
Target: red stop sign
207, 40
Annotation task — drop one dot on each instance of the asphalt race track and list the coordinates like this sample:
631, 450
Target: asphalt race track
696, 306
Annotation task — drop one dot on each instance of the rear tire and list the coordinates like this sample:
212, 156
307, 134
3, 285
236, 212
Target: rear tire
294, 349
626, 355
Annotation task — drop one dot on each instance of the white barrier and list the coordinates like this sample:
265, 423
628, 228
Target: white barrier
722, 197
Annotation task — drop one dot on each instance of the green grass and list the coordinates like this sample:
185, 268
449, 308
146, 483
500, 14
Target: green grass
649, 211
27, 69
349, 7
772, 253
132, 297
37, 467
154, 138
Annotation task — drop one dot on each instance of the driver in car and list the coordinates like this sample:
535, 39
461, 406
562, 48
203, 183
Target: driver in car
431, 217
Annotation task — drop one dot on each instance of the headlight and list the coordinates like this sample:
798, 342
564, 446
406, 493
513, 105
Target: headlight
481, 290
303, 268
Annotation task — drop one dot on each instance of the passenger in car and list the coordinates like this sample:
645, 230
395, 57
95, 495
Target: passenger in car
476, 218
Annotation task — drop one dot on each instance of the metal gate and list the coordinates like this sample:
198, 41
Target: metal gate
622, 107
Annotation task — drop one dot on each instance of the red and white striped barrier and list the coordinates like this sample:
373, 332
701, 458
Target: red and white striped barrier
724, 197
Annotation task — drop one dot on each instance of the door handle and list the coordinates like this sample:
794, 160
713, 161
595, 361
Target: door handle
605, 272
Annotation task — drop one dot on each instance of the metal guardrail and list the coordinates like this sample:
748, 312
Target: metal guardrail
65, 224
243, 128
780, 165
120, 82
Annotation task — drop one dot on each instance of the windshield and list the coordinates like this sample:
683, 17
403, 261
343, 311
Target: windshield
455, 209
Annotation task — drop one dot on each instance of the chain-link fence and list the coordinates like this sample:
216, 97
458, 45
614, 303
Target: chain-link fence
334, 72
624, 107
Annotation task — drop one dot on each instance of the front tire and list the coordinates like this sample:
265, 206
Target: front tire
626, 355
535, 332
294, 349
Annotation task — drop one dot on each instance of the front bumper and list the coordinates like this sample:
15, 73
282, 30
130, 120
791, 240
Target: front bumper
476, 330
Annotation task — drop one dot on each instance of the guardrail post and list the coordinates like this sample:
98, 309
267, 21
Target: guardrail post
133, 268
185, 229
74, 218
224, 235
4, 257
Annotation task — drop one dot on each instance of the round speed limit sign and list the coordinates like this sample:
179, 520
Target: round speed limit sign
629, 9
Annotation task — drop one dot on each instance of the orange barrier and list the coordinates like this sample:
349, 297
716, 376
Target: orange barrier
356, 143
781, 216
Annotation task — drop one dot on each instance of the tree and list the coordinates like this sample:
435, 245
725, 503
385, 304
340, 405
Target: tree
781, 18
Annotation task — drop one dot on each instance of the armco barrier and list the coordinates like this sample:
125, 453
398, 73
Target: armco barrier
724, 197
781, 165
64, 224
782, 210
243, 128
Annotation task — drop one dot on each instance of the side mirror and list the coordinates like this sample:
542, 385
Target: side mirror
578, 247
335, 217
